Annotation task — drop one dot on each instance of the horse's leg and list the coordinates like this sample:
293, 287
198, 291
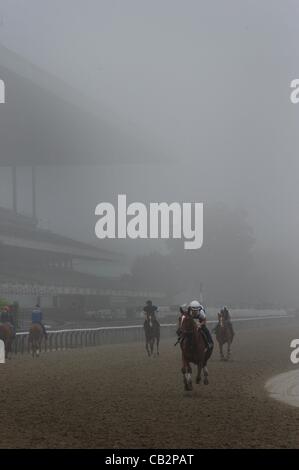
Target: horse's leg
155, 343
228, 349
221, 351
183, 370
187, 375
33, 346
206, 375
7, 351
147, 343
152, 345
198, 377
158, 342
38, 347
206, 357
147, 347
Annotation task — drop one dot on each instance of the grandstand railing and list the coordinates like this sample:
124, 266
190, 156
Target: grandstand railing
84, 337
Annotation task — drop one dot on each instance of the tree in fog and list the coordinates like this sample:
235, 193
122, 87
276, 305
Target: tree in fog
224, 264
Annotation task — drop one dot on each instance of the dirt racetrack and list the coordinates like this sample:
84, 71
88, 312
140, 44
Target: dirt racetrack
116, 397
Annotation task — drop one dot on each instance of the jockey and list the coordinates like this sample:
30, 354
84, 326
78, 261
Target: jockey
37, 317
198, 313
150, 310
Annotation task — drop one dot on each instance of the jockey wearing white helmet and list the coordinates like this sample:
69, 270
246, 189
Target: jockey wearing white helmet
198, 312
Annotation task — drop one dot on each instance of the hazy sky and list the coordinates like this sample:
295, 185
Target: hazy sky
207, 81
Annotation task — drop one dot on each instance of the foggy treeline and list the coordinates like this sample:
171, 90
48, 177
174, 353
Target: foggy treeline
231, 269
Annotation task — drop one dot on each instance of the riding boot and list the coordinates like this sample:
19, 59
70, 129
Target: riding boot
207, 337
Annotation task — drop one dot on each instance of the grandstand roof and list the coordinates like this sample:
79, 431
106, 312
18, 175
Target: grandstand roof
44, 121
21, 231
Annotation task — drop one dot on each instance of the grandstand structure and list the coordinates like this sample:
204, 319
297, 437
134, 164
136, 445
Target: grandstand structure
44, 122
37, 265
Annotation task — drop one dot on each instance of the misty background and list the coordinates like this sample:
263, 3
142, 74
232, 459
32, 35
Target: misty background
205, 86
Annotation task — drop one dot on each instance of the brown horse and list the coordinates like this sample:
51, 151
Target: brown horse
152, 333
193, 351
224, 334
36, 335
7, 335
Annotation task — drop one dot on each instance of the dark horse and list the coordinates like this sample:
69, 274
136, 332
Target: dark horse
193, 351
152, 333
224, 334
7, 335
36, 335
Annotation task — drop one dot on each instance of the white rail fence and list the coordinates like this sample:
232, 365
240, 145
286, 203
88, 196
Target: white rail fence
85, 337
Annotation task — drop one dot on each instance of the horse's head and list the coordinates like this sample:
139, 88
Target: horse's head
186, 323
221, 319
149, 321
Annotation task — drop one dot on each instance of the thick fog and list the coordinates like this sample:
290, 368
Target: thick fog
206, 86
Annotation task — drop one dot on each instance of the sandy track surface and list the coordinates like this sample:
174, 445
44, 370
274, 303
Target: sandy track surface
117, 397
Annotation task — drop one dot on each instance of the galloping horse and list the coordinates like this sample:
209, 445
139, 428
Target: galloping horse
193, 351
224, 334
35, 338
7, 335
152, 332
